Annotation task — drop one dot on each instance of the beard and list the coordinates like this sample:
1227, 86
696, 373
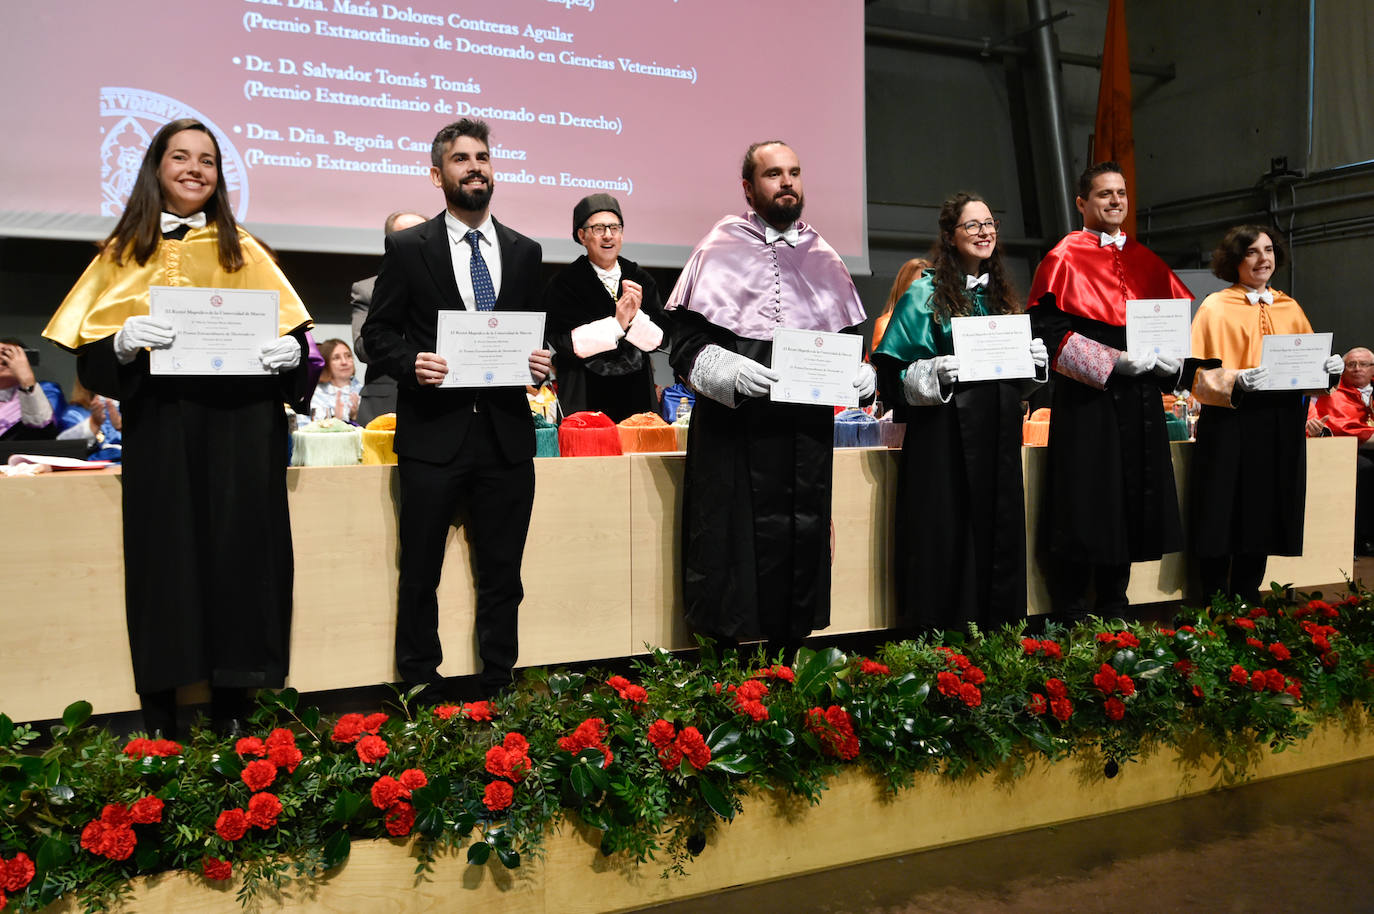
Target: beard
459, 197
777, 213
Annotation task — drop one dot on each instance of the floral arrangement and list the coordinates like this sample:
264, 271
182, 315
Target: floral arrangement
649, 765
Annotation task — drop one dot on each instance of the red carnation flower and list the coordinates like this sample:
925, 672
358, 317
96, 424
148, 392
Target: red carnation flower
263, 809
516, 743
873, 668
413, 779
387, 791
1273, 680
284, 756
1238, 674
1127, 639
776, 671
1115, 708
232, 824
280, 737
498, 795
1104, 637
373, 722
1052, 649
970, 695
1126, 684
692, 744
1037, 704
1294, 689
1062, 708
478, 710
1105, 679
1168, 632
1257, 681
1187, 628
1029, 646
259, 774
1185, 667
1256, 643
18, 873
975, 675
250, 745
961, 661
1055, 688
116, 815
372, 749
1280, 651
446, 712
835, 731
120, 843
146, 811
751, 690
93, 836
1243, 623
400, 819
947, 683
1259, 612
348, 729
216, 869
661, 733
617, 682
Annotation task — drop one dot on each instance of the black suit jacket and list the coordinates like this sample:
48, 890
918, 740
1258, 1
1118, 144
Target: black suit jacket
414, 284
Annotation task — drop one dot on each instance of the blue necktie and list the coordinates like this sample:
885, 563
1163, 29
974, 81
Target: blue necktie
481, 279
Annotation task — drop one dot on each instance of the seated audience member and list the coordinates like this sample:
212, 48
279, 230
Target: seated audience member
1345, 411
26, 408
604, 318
339, 388
94, 419
911, 271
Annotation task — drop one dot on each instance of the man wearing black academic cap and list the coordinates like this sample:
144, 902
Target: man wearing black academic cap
604, 318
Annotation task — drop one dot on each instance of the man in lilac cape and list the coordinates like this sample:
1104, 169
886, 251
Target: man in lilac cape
756, 500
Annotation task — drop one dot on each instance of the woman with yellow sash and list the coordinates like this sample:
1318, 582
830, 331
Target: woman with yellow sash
207, 538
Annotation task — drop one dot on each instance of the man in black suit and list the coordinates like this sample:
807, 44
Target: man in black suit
378, 395
457, 447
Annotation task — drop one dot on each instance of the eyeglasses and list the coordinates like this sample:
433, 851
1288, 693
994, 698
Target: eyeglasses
1359, 364
604, 229
977, 228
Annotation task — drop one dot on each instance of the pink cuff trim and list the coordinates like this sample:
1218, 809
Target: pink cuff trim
596, 337
644, 334
1085, 360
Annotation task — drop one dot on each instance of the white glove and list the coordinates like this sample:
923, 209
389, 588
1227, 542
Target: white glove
1251, 378
282, 354
753, 379
1167, 367
946, 369
1039, 354
1334, 364
866, 381
139, 331
1134, 367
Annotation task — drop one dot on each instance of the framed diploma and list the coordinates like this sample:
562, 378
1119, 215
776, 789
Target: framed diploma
218, 331
993, 347
1162, 326
1295, 360
816, 367
488, 348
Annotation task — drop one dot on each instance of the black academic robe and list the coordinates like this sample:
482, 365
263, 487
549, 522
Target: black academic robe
756, 504
208, 564
619, 382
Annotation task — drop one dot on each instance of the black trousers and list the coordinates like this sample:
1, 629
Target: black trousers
1364, 499
1069, 581
1240, 575
495, 498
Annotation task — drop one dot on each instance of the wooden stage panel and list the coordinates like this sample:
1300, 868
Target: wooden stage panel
600, 568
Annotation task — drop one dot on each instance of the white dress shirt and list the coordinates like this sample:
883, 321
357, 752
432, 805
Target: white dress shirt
462, 257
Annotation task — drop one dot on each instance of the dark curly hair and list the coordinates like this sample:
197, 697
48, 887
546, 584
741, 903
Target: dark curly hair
950, 298
1237, 240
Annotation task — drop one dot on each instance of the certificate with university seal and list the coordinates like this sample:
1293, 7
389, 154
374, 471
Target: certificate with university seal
993, 347
1295, 360
1163, 326
816, 367
488, 348
218, 331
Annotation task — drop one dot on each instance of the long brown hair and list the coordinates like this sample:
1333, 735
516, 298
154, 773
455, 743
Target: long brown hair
139, 232
950, 298
909, 273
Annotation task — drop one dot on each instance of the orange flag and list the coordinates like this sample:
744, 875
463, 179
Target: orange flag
1112, 135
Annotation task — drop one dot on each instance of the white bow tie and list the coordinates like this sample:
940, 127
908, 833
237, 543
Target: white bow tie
1119, 239
972, 282
771, 235
1255, 298
171, 222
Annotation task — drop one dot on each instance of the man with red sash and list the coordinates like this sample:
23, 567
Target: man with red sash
1109, 498
1346, 410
